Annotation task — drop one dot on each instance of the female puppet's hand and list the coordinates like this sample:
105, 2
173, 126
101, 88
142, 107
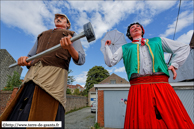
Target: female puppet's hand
66, 42
108, 42
173, 69
22, 61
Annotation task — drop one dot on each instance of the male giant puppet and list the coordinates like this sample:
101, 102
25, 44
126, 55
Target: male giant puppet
152, 102
42, 96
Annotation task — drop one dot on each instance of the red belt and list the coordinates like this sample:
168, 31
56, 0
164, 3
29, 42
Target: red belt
149, 79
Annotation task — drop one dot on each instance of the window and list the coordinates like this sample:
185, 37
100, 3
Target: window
112, 81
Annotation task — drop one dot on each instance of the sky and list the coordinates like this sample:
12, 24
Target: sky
23, 21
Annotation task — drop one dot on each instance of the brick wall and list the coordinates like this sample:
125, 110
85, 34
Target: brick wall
5, 60
73, 102
100, 116
4, 97
12, 96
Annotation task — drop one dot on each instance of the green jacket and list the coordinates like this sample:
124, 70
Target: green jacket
131, 56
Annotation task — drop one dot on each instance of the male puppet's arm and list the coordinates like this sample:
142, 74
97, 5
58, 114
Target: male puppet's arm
30, 54
22, 59
75, 49
33, 50
81, 54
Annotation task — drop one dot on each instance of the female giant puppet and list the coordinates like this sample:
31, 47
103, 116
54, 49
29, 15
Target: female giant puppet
152, 102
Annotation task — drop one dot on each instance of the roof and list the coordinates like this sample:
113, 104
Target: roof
92, 89
186, 71
192, 42
113, 76
74, 86
177, 85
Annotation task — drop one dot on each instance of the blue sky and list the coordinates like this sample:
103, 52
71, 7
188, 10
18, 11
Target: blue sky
22, 21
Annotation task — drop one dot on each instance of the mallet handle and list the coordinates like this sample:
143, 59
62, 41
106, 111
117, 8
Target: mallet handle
81, 35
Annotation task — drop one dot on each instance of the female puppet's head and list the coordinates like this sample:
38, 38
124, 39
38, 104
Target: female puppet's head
135, 29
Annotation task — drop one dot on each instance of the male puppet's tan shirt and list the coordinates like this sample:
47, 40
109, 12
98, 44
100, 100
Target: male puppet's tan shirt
50, 78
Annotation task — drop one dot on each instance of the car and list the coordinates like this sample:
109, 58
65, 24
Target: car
93, 107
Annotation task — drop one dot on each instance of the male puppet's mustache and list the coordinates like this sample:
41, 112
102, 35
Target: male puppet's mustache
58, 21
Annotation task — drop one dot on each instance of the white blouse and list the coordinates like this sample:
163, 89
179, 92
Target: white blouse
179, 50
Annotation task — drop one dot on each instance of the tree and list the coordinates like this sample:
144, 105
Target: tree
84, 93
76, 91
70, 79
13, 81
94, 76
68, 91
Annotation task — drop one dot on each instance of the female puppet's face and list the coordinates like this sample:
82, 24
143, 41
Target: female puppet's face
135, 30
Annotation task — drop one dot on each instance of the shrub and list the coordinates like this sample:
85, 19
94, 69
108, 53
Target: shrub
13, 81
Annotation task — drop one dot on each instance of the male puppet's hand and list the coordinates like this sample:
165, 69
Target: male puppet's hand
22, 61
173, 69
108, 42
66, 42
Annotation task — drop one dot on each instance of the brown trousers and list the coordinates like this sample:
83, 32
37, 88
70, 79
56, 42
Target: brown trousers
43, 106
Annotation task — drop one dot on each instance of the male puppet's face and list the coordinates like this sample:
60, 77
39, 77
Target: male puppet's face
61, 21
135, 30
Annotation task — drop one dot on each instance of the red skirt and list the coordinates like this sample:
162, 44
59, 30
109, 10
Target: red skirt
153, 103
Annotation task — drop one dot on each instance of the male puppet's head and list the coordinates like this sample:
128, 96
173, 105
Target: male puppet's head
134, 29
62, 21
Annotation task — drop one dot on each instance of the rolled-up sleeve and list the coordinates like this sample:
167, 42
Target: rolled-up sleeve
179, 51
78, 47
33, 50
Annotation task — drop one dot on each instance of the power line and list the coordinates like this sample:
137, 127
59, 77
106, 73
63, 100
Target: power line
177, 19
175, 27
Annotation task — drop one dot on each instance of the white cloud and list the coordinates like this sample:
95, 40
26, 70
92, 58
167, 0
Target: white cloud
186, 4
111, 70
34, 17
121, 69
104, 15
81, 78
185, 19
83, 86
26, 15
116, 70
149, 9
167, 57
185, 38
157, 7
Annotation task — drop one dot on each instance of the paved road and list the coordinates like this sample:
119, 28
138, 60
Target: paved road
81, 119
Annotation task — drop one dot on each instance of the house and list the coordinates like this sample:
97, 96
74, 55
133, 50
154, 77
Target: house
112, 79
91, 96
73, 87
5, 60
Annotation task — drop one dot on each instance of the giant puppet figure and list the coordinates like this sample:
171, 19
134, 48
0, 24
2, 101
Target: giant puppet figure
152, 102
42, 96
